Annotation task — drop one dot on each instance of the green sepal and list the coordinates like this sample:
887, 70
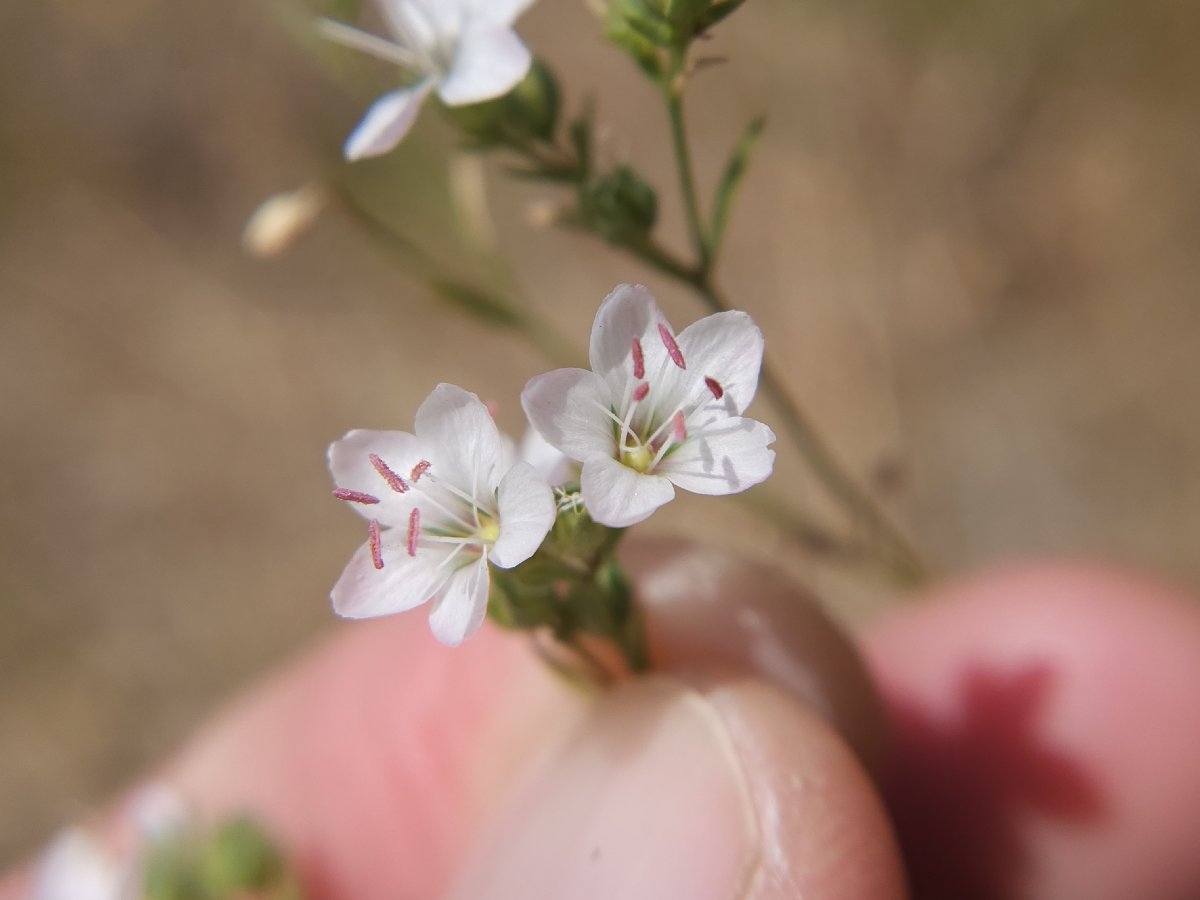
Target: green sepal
529, 112
718, 12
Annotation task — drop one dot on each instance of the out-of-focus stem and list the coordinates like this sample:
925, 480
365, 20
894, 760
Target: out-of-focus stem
535, 329
897, 554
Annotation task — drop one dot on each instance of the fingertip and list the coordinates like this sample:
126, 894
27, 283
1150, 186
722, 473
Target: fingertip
1045, 719
822, 827
717, 789
370, 757
709, 610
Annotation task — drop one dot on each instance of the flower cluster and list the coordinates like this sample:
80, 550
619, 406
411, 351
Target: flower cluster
658, 410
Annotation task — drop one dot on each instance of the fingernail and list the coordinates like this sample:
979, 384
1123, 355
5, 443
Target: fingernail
710, 610
646, 799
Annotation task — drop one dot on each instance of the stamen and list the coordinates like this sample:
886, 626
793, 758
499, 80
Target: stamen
418, 470
414, 530
373, 543
639, 360
679, 427
394, 481
672, 348
640, 392
715, 386
492, 407
355, 496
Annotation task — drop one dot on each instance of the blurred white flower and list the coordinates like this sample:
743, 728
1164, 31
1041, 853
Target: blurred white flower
76, 866
466, 50
441, 504
658, 410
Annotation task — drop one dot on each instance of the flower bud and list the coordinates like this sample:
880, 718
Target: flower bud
644, 27
620, 205
280, 219
239, 855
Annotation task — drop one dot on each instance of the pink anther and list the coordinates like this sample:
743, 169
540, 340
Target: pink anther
679, 426
672, 348
639, 359
414, 530
640, 392
715, 386
373, 543
492, 407
355, 496
418, 470
394, 481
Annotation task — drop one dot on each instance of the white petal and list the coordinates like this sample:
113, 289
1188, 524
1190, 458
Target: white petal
503, 11
76, 867
489, 62
628, 312
527, 511
728, 347
617, 496
547, 460
417, 24
350, 465
386, 122
460, 610
403, 583
726, 458
463, 437
570, 408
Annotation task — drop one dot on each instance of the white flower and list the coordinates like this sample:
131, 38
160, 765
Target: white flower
658, 411
76, 866
466, 50
441, 506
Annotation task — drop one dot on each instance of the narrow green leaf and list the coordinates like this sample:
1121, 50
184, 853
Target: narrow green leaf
735, 169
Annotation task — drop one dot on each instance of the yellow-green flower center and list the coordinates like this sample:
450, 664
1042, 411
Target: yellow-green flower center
489, 529
639, 458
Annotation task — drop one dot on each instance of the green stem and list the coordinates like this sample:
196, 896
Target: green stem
898, 554
673, 93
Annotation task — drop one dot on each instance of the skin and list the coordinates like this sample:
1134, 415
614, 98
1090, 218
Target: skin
1032, 735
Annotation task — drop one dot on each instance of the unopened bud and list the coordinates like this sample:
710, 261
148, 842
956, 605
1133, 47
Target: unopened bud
620, 205
280, 219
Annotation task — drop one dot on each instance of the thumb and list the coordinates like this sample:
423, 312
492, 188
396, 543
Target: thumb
390, 766
701, 790
734, 782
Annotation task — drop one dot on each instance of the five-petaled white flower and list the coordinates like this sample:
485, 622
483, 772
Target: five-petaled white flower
441, 506
659, 410
466, 50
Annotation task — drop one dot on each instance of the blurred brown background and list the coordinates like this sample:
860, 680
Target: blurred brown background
970, 234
